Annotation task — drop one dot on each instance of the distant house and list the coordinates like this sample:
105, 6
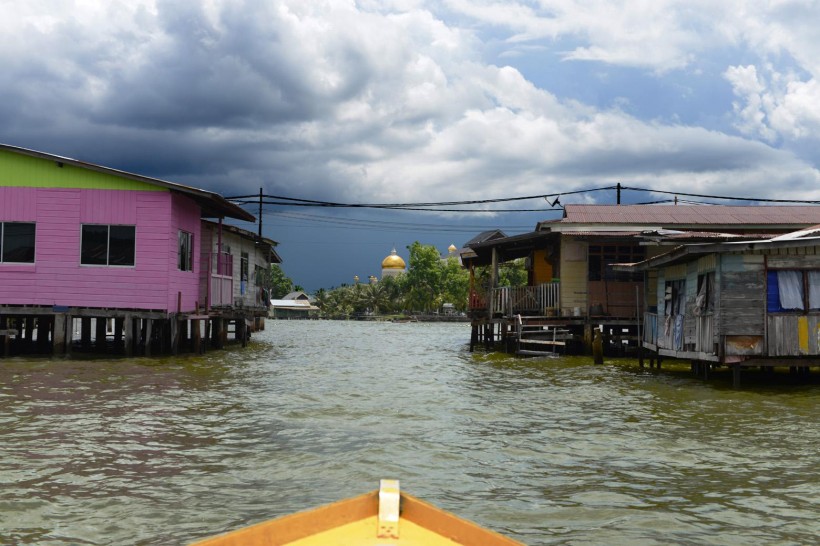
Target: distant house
569, 260
83, 241
235, 276
296, 305
739, 304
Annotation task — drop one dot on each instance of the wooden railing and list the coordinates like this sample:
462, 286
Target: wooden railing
219, 272
509, 301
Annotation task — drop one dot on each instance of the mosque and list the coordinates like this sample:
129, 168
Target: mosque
393, 265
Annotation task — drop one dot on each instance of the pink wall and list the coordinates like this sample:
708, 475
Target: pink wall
57, 278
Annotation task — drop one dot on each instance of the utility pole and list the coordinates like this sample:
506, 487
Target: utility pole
618, 187
260, 213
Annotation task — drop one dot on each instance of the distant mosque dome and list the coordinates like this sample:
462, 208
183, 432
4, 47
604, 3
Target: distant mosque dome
451, 249
393, 265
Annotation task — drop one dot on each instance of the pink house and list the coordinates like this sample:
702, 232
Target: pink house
77, 237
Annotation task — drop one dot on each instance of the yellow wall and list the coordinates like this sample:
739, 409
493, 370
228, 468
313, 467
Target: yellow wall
541, 268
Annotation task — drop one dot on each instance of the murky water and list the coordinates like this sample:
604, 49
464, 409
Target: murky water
548, 451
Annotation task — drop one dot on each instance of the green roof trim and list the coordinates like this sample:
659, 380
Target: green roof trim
18, 170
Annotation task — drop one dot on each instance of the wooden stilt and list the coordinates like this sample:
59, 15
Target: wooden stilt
85, 333
128, 332
100, 335
736, 376
59, 334
149, 331
196, 334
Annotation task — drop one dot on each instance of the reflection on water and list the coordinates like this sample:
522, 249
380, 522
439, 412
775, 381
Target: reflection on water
549, 451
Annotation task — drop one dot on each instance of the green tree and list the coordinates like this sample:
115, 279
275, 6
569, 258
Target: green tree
455, 284
423, 277
279, 284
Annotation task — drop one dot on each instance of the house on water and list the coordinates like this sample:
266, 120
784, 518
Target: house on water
89, 252
739, 304
573, 287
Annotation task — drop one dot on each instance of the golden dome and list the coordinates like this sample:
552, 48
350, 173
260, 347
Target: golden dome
452, 248
393, 261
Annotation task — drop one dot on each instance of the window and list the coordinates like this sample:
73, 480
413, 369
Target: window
17, 242
705, 300
675, 298
108, 245
602, 256
186, 251
786, 290
243, 267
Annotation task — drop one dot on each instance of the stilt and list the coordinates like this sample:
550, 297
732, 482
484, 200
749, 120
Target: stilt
62, 323
598, 348
85, 333
100, 336
736, 376
196, 334
174, 325
149, 331
128, 330
43, 331
5, 336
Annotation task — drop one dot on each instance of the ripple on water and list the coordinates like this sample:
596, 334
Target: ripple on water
549, 451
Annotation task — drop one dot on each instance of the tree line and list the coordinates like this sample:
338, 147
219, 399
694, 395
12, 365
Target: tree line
425, 287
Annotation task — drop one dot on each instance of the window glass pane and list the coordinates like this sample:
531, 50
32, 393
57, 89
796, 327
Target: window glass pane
18, 242
186, 249
123, 245
94, 245
790, 284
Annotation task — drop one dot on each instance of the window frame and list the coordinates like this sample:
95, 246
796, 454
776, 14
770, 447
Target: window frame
600, 256
807, 290
3, 242
108, 253
185, 244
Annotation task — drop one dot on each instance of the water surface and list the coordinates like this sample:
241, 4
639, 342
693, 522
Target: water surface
549, 451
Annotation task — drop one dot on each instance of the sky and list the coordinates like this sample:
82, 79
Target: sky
417, 101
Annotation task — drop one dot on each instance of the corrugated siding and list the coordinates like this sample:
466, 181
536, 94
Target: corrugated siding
34, 172
57, 278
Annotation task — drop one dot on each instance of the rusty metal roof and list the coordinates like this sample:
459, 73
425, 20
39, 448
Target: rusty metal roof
690, 215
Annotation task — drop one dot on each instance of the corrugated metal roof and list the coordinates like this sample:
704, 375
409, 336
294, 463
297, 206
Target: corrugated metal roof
671, 215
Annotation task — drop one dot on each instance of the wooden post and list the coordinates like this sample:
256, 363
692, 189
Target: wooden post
119, 326
100, 334
598, 347
69, 334
207, 337
197, 336
736, 376
85, 332
43, 330
5, 336
149, 331
59, 334
128, 330
174, 324
29, 332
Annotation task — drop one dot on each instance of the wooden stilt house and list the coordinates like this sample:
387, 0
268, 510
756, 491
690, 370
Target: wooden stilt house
117, 253
740, 304
572, 283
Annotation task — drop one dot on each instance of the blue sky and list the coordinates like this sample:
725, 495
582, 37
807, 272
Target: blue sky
405, 101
